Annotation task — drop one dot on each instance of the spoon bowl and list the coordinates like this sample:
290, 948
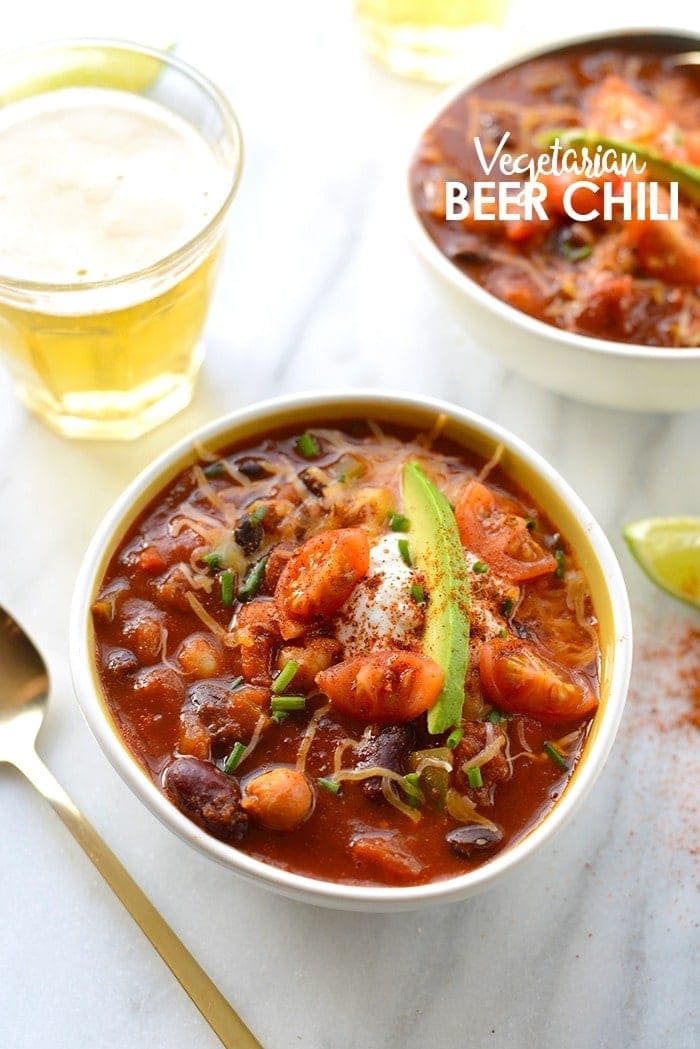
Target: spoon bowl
24, 689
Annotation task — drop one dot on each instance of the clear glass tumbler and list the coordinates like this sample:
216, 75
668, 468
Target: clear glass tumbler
112, 358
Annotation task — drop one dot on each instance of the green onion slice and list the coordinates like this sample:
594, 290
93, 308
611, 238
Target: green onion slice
286, 703
285, 677
253, 581
234, 759
212, 561
559, 558
475, 778
556, 756
237, 682
258, 514
418, 593
214, 470
480, 567
405, 552
397, 522
308, 446
329, 784
226, 584
454, 738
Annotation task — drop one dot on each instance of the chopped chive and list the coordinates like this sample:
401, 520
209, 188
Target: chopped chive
405, 552
329, 784
214, 470
559, 558
397, 522
502, 633
531, 524
480, 567
454, 738
495, 717
233, 760
226, 584
259, 514
253, 581
418, 593
507, 606
285, 676
552, 752
279, 716
475, 778
308, 446
575, 253
237, 682
212, 561
411, 787
287, 703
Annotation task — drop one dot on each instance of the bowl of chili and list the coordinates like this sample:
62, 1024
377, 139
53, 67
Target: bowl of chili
603, 310
367, 650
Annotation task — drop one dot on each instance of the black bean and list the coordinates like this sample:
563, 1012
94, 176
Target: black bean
252, 468
473, 838
208, 797
389, 748
249, 535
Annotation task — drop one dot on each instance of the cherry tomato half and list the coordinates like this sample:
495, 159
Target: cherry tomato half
490, 527
320, 577
389, 686
518, 679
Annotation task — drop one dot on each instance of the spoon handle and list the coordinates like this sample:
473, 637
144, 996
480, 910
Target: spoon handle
211, 1003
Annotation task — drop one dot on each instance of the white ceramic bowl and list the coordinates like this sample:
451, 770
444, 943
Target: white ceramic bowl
618, 375
549, 490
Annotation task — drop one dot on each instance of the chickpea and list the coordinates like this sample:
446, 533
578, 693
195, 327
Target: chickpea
280, 799
316, 655
200, 656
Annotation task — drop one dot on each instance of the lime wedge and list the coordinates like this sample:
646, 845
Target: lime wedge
91, 67
668, 550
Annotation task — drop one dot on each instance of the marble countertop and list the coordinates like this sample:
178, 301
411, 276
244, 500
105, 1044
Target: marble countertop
594, 942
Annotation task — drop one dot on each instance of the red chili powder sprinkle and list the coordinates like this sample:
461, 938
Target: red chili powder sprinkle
659, 728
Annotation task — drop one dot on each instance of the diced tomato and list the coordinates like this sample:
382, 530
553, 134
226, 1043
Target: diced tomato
320, 577
387, 856
670, 250
388, 687
619, 111
152, 561
518, 679
490, 527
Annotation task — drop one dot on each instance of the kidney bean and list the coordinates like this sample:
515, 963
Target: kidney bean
208, 797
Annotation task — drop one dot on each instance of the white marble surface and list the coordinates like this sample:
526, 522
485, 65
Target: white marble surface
594, 942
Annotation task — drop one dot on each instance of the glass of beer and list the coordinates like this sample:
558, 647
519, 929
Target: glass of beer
438, 40
118, 165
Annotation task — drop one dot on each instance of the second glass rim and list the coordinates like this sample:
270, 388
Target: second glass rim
21, 287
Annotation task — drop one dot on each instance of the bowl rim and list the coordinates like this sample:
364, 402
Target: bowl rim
222, 430
427, 247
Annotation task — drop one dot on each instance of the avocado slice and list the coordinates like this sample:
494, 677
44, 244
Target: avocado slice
437, 553
686, 175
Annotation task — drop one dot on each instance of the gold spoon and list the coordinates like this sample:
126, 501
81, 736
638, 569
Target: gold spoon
24, 694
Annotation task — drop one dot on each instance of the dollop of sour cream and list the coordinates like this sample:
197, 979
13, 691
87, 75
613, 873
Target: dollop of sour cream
381, 612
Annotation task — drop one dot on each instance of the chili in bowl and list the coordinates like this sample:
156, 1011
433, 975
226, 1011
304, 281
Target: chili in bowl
581, 283
369, 651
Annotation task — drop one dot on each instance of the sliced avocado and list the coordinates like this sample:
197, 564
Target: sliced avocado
437, 553
686, 175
